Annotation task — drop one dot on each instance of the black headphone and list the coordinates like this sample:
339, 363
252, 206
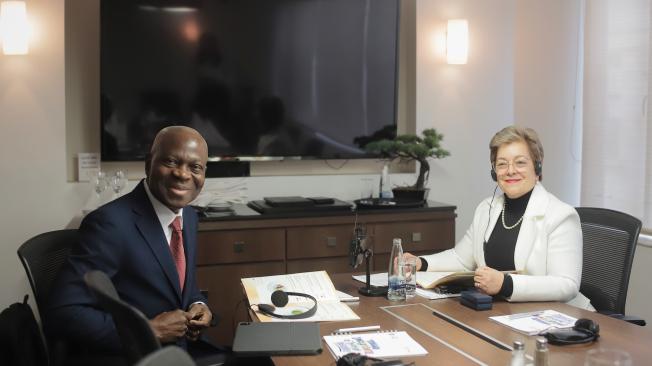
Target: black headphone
584, 331
538, 168
280, 299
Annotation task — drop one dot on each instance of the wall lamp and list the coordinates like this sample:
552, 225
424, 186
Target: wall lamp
457, 41
14, 29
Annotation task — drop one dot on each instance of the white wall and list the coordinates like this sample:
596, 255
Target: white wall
520, 71
467, 103
546, 86
34, 191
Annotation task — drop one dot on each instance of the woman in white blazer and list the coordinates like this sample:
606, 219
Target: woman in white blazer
526, 229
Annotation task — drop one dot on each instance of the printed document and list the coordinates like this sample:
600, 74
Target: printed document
317, 284
536, 322
380, 344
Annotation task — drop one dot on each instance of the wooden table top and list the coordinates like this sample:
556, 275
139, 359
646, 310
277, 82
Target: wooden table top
448, 344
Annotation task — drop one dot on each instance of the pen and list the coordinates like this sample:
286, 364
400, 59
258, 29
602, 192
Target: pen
358, 329
350, 299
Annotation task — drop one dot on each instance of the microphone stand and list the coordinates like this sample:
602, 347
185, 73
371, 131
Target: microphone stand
369, 290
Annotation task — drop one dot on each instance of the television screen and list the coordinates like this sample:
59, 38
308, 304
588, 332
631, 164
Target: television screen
257, 78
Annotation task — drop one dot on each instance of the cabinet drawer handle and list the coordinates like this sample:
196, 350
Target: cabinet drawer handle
238, 247
331, 241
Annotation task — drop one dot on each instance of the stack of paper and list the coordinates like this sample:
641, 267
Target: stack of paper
329, 308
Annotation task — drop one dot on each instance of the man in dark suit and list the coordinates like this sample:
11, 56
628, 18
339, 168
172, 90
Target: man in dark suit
145, 242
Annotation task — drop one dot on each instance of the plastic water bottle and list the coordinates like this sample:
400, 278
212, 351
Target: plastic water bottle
396, 288
518, 354
385, 190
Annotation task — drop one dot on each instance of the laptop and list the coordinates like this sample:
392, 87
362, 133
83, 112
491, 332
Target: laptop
277, 338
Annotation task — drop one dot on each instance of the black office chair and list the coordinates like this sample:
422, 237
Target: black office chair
167, 356
610, 239
42, 256
137, 337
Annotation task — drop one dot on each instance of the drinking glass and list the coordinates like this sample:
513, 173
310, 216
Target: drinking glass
99, 182
607, 357
409, 274
118, 181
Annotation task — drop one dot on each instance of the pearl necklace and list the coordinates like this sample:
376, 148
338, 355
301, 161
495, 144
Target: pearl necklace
503, 219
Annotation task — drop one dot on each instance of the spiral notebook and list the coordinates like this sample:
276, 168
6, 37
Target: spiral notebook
381, 344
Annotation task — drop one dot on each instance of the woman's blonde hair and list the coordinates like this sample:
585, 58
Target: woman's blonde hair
513, 134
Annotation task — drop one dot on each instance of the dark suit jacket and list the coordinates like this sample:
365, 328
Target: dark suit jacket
125, 240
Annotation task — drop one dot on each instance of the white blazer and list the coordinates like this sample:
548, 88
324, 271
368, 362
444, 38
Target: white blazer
548, 252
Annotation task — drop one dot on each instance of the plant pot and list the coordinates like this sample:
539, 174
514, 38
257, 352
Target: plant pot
410, 194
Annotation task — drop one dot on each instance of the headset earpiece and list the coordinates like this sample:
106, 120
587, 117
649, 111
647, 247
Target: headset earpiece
493, 175
280, 299
538, 168
587, 325
584, 331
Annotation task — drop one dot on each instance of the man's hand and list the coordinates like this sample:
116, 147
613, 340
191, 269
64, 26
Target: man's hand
171, 325
488, 280
200, 318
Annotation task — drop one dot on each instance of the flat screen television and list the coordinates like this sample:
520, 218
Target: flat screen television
258, 78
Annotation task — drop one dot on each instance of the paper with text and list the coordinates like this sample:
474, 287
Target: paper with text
317, 284
536, 322
378, 344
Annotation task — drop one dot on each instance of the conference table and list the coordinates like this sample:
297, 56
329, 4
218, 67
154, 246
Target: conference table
449, 344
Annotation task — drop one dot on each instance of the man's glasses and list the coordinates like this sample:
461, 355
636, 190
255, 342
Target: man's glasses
502, 166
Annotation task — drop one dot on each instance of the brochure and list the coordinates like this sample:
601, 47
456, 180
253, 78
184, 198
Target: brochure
536, 322
382, 344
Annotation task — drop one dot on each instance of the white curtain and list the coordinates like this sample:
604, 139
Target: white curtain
617, 132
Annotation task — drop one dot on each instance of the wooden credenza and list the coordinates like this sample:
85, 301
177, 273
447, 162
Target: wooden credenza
248, 244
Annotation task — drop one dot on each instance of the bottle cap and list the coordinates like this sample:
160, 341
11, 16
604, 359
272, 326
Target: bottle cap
518, 345
396, 241
542, 343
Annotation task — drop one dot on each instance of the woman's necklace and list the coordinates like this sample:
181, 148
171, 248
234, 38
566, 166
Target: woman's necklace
503, 219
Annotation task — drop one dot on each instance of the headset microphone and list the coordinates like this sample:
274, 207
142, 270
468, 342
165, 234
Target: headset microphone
489, 212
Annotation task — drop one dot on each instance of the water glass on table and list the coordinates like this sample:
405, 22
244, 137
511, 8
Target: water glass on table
607, 357
409, 274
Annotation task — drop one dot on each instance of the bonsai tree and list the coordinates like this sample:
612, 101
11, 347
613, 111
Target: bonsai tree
409, 147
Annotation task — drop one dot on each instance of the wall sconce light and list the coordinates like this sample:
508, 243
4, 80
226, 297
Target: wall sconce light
457, 41
14, 29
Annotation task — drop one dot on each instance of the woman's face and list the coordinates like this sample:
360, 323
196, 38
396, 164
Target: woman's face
515, 169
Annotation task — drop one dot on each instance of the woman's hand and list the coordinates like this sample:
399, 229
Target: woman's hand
410, 255
488, 280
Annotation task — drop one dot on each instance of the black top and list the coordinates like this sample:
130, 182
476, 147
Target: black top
499, 250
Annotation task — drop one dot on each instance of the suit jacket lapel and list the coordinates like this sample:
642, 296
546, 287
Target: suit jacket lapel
530, 227
150, 228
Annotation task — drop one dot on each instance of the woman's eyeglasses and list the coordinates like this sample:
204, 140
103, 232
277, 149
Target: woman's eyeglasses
501, 166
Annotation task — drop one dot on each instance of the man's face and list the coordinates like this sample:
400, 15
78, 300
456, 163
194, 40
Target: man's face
176, 169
